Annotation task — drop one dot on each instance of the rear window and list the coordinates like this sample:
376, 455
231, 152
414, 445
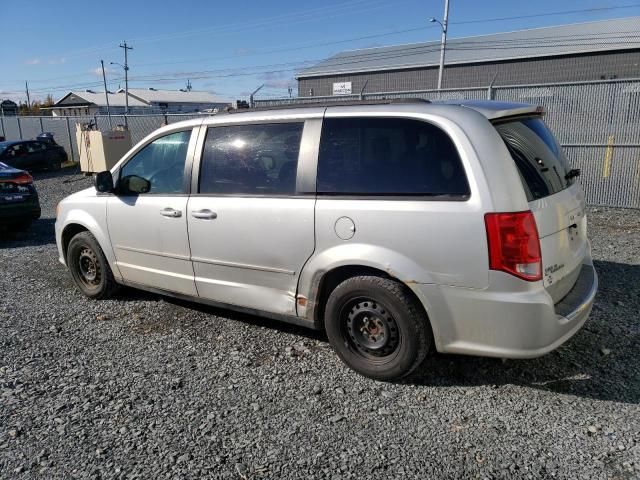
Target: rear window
541, 163
388, 156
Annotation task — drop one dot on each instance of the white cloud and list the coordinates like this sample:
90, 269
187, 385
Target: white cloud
277, 80
32, 61
56, 61
98, 71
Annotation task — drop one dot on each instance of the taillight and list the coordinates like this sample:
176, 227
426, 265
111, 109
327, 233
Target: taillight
514, 246
22, 179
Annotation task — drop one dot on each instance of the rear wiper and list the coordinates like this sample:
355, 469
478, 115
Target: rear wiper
575, 172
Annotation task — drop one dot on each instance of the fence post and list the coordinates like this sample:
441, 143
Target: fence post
19, 128
70, 140
41, 126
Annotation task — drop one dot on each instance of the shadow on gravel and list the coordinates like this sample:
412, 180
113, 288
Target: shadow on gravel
133, 295
41, 232
600, 361
48, 174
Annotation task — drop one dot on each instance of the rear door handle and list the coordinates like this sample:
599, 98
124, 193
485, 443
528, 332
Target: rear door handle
204, 214
170, 212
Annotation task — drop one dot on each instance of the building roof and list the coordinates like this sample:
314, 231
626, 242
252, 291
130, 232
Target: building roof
153, 95
600, 36
91, 97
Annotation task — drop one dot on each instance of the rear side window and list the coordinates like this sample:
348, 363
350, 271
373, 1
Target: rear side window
541, 163
388, 156
251, 159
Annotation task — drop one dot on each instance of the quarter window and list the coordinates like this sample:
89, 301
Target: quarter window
161, 163
251, 159
388, 156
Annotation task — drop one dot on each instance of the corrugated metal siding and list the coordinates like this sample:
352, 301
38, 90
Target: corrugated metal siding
597, 123
605, 35
546, 70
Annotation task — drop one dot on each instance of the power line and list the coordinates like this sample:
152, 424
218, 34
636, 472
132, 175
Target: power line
359, 56
349, 60
301, 16
548, 14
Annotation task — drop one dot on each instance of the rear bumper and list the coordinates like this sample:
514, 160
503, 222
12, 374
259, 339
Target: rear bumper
15, 212
507, 324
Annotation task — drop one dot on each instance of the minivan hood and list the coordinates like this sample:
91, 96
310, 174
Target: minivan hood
87, 192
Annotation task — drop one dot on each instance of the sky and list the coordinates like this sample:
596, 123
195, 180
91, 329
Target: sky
230, 48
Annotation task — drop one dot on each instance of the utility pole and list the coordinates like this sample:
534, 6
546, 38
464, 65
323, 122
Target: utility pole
189, 87
126, 77
443, 42
28, 98
106, 95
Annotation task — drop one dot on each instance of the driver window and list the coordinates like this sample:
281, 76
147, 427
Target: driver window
161, 163
17, 151
251, 159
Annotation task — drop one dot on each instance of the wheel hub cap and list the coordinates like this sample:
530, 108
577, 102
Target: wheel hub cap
372, 328
88, 263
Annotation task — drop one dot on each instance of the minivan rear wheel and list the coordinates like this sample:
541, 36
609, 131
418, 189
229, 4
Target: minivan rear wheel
377, 327
89, 267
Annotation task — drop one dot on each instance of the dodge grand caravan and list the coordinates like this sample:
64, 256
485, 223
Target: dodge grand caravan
398, 227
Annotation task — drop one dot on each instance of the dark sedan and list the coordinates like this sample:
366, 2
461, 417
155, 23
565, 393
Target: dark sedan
32, 154
19, 203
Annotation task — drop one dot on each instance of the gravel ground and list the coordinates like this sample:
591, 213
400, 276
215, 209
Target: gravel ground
148, 387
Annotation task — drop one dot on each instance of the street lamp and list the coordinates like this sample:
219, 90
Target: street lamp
443, 41
125, 67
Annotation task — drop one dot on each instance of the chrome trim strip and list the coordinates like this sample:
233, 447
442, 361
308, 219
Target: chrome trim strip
242, 265
153, 252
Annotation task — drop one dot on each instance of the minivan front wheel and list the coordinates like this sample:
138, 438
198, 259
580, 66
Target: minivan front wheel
377, 327
89, 267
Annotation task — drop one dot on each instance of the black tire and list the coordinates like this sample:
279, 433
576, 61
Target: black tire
89, 267
377, 327
54, 164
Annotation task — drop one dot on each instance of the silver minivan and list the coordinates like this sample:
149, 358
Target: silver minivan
398, 227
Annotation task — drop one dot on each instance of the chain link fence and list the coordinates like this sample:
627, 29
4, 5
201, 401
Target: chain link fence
597, 123
64, 128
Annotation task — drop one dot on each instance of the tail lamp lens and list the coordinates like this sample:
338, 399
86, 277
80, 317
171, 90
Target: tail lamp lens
514, 246
22, 179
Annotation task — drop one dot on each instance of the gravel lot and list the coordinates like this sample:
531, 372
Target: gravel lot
148, 387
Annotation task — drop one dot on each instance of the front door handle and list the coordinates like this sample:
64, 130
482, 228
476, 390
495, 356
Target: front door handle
204, 214
170, 212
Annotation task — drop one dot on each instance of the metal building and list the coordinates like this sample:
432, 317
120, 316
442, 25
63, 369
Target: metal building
604, 49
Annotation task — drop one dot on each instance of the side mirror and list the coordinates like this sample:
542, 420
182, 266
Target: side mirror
133, 184
104, 182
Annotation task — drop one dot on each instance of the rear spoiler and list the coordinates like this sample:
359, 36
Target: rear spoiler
494, 110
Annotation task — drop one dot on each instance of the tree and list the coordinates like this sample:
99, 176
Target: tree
36, 107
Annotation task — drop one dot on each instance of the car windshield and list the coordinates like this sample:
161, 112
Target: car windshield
4, 146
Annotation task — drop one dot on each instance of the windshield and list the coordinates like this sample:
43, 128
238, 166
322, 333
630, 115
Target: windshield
4, 146
541, 163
